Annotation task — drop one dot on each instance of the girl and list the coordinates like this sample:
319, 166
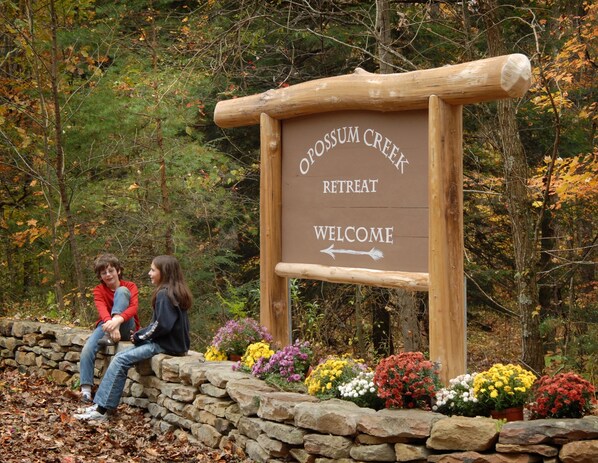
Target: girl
167, 333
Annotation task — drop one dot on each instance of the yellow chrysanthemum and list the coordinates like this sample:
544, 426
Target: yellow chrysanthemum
256, 351
214, 355
503, 386
325, 379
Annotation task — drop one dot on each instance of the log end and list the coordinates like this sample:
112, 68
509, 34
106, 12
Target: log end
361, 72
516, 75
219, 114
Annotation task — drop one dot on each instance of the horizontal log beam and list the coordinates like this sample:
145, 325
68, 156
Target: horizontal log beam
405, 280
507, 76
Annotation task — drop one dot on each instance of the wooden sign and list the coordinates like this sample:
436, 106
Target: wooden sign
352, 198
355, 190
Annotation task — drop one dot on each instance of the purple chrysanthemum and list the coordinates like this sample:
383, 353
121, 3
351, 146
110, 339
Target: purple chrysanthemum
236, 335
290, 363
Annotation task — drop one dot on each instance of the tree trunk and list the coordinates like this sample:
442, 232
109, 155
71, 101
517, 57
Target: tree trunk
59, 165
381, 330
408, 305
381, 326
166, 207
384, 37
168, 242
359, 331
519, 207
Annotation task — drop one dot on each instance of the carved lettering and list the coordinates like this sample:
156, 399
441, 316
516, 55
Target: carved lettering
352, 134
366, 185
352, 234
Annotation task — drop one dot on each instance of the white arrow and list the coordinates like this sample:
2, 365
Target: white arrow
373, 253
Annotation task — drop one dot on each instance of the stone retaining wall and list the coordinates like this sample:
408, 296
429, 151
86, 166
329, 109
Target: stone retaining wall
213, 405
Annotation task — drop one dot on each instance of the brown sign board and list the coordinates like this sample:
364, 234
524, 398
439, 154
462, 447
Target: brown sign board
294, 197
355, 190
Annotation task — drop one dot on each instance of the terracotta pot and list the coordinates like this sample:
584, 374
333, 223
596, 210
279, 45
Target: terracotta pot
234, 357
509, 414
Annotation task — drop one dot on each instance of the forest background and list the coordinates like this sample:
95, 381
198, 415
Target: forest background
107, 144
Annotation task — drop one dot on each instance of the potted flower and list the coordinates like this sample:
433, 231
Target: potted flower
565, 395
236, 335
324, 381
504, 390
362, 391
256, 352
212, 354
459, 398
286, 368
407, 380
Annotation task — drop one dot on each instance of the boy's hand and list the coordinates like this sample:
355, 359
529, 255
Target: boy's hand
114, 324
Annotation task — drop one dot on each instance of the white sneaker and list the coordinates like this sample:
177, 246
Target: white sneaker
86, 397
91, 408
92, 415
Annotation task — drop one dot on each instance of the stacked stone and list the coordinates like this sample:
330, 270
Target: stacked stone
235, 410
209, 403
45, 349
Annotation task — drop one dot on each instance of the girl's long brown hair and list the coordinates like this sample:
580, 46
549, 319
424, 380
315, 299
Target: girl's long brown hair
172, 279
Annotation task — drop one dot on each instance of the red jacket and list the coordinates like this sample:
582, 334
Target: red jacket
104, 300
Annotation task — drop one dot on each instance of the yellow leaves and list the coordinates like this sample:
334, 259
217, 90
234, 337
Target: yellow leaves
133, 186
29, 235
25, 138
574, 180
557, 99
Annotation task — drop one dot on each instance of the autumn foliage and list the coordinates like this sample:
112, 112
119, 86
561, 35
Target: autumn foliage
37, 426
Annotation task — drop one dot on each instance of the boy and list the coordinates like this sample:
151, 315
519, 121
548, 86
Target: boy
117, 302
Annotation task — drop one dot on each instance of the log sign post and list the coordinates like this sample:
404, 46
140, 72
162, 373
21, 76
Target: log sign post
361, 182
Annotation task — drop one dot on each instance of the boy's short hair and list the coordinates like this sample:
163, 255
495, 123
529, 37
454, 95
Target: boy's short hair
104, 261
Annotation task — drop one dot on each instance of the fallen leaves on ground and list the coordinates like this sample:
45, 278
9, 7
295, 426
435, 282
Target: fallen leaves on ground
37, 425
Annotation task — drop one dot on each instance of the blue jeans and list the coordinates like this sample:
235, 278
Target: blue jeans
122, 296
111, 388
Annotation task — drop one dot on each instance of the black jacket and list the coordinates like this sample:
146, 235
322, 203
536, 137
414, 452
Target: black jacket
169, 327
